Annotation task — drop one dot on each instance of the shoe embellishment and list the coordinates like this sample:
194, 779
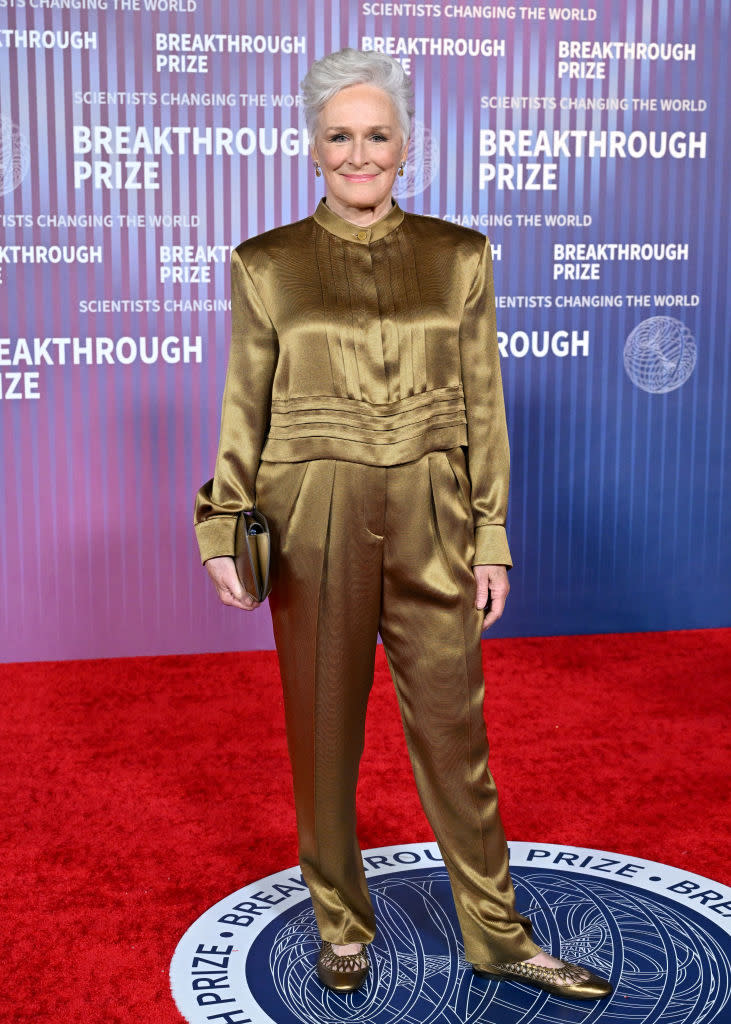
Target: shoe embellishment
570, 981
342, 973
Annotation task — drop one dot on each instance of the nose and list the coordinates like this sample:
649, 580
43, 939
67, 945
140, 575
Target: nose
357, 153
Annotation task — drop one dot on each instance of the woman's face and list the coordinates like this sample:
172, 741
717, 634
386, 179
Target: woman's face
358, 146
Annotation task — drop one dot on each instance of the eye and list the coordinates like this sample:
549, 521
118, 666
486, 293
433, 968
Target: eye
379, 138
336, 138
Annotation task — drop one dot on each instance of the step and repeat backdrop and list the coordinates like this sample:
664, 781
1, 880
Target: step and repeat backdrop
141, 139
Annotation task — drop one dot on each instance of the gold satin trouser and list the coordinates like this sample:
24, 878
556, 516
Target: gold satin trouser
358, 549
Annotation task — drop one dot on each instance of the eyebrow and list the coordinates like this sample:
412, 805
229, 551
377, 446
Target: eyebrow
341, 127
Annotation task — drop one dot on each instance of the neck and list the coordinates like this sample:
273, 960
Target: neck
360, 215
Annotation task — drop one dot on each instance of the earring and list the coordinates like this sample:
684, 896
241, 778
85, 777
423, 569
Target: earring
318, 172
401, 168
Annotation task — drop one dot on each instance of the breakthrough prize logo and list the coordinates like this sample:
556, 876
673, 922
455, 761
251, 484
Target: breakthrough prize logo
659, 354
421, 164
14, 156
659, 934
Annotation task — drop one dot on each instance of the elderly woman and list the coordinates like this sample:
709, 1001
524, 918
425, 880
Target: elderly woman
363, 415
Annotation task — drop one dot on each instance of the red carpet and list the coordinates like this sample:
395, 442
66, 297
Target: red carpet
138, 792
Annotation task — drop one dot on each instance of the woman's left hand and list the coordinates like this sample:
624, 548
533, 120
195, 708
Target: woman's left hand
491, 586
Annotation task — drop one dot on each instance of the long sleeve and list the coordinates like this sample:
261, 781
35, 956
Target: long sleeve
245, 417
487, 434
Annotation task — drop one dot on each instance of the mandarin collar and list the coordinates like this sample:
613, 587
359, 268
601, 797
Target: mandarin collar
350, 232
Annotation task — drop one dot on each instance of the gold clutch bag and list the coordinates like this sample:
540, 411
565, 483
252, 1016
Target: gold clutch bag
252, 553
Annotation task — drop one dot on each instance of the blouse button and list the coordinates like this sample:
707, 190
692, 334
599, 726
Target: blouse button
361, 236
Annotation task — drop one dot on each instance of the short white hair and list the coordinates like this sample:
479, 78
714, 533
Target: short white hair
348, 66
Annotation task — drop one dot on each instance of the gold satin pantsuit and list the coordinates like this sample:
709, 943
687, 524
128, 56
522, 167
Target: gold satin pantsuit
363, 414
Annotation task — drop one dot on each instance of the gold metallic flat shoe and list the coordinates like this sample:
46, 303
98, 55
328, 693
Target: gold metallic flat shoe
568, 981
342, 973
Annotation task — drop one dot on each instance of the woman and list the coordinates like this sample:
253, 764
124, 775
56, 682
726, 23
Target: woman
363, 414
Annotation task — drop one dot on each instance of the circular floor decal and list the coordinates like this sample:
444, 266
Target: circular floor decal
662, 935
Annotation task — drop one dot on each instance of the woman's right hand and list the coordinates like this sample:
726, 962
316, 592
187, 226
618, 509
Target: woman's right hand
222, 571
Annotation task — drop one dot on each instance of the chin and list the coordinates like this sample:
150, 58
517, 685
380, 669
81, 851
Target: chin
359, 193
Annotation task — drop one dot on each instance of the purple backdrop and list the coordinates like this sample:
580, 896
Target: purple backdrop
126, 130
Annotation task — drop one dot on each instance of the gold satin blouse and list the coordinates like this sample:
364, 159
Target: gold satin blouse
372, 344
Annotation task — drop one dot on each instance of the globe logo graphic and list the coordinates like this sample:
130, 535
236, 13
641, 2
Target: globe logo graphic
637, 923
659, 354
421, 163
14, 156
665, 966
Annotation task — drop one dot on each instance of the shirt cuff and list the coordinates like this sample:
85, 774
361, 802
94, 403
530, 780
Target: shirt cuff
491, 546
216, 536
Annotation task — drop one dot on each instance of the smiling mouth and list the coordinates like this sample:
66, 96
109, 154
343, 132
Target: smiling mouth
359, 177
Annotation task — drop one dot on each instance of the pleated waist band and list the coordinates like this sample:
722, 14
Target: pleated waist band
384, 434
